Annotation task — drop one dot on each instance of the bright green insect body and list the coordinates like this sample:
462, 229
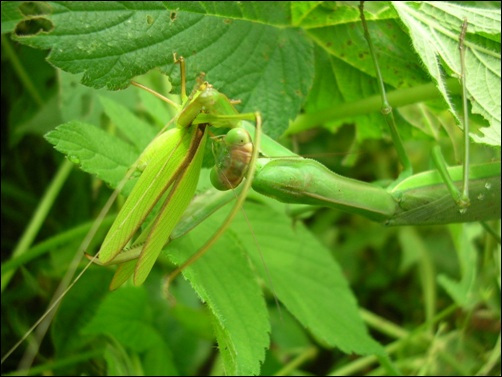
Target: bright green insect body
174, 173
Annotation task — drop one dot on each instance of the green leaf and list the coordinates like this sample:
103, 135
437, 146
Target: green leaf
45, 119
79, 102
463, 292
96, 151
306, 279
137, 131
314, 14
336, 83
268, 68
76, 310
270, 12
344, 70
118, 362
224, 280
435, 29
159, 110
11, 15
125, 316
346, 42
288, 333
302, 273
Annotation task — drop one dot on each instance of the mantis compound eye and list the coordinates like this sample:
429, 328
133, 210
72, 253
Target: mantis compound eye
237, 137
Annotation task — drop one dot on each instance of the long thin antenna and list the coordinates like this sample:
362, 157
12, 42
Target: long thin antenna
156, 94
50, 310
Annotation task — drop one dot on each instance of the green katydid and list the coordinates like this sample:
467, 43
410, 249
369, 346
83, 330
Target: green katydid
173, 162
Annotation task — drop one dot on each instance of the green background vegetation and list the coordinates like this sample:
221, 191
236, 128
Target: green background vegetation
429, 295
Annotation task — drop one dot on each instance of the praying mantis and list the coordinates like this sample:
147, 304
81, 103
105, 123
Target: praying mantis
273, 177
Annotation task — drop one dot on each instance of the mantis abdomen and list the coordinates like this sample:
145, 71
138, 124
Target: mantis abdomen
422, 199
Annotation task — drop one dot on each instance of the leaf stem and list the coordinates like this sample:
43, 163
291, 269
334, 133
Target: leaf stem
48, 244
397, 98
465, 189
308, 354
386, 108
21, 72
38, 217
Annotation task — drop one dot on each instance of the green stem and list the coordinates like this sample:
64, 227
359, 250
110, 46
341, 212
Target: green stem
49, 244
51, 366
363, 363
465, 190
490, 231
383, 325
39, 217
289, 369
492, 361
21, 72
386, 107
396, 98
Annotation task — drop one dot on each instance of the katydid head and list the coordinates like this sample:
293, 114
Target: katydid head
207, 95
